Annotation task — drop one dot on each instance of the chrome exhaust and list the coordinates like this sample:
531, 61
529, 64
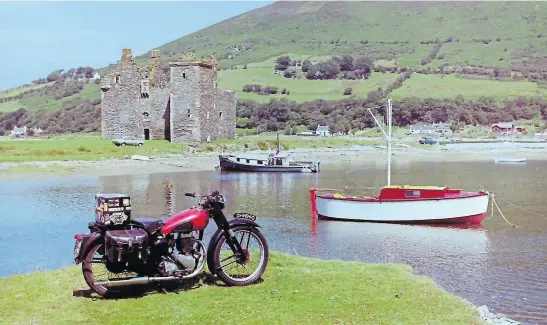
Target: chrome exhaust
135, 281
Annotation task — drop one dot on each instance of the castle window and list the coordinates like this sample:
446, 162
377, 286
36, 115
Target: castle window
220, 114
145, 89
207, 115
184, 75
188, 112
118, 79
145, 116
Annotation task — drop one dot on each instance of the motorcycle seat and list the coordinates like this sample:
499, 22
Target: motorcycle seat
151, 226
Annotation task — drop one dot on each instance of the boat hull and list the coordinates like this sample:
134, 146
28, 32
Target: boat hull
228, 165
469, 209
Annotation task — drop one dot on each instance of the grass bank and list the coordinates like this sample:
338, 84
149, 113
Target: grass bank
87, 148
295, 290
78, 149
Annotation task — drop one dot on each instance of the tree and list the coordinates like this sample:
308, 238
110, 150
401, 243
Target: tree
54, 75
306, 65
363, 66
282, 63
289, 73
346, 63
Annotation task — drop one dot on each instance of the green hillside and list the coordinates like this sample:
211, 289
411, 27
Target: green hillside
513, 31
470, 50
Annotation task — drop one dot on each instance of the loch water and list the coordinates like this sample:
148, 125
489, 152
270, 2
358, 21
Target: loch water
497, 265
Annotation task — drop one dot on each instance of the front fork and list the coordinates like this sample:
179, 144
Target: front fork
231, 239
234, 244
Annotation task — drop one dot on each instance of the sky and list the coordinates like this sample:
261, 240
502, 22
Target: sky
40, 37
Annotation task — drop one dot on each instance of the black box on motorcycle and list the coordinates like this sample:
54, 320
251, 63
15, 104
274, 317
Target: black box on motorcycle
112, 208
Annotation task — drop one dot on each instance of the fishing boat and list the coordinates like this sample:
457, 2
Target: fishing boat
273, 162
402, 204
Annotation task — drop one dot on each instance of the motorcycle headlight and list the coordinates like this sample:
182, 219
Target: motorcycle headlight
221, 198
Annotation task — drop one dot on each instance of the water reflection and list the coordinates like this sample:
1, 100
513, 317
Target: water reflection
496, 264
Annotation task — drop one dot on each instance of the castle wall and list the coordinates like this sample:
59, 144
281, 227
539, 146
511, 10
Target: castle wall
121, 90
226, 104
185, 103
208, 114
156, 106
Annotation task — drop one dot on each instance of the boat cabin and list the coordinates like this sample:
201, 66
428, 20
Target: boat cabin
280, 159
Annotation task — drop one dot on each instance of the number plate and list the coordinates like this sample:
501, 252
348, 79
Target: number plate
77, 247
241, 215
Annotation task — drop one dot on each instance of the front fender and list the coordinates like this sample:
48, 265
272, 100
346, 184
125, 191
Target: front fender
88, 240
216, 237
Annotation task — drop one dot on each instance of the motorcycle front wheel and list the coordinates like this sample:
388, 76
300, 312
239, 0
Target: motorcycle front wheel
235, 271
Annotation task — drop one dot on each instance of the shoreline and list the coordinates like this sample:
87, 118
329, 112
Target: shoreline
329, 158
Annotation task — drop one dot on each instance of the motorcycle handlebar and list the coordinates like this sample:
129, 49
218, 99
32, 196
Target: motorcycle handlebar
193, 195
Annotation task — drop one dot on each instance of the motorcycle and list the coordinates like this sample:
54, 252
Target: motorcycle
170, 249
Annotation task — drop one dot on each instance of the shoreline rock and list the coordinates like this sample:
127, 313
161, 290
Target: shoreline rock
497, 319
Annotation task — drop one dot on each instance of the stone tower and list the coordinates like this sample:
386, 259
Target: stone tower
120, 91
198, 108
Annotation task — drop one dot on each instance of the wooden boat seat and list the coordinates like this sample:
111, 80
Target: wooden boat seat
416, 187
341, 196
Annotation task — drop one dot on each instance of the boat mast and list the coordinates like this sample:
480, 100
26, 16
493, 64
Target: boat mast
278, 150
388, 137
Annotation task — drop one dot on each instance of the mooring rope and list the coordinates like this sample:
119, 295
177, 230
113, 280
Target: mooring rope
521, 207
494, 203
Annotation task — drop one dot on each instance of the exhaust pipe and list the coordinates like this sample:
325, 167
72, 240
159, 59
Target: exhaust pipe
135, 281
146, 280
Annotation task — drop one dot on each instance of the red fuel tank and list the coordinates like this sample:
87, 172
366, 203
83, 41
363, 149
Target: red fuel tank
188, 220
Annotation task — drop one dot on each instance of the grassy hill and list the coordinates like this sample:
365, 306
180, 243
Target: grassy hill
513, 31
470, 50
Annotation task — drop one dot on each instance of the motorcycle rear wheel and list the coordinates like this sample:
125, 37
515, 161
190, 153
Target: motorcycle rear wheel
251, 232
89, 277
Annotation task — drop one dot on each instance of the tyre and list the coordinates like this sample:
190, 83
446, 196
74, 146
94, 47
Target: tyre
123, 144
88, 265
224, 264
139, 145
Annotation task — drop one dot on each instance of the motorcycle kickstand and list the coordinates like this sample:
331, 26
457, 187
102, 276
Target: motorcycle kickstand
161, 289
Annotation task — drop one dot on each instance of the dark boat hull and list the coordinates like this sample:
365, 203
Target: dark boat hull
232, 166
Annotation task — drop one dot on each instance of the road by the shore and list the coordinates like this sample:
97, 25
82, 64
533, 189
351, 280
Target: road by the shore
329, 159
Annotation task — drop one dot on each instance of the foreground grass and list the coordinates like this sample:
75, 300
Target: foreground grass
295, 291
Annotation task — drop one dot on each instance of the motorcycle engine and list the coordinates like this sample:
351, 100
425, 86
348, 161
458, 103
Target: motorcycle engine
182, 260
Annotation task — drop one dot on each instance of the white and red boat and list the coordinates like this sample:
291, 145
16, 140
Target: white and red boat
402, 204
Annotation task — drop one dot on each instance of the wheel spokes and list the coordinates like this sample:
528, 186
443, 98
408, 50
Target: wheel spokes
251, 262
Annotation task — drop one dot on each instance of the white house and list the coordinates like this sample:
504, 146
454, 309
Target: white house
96, 76
322, 130
17, 132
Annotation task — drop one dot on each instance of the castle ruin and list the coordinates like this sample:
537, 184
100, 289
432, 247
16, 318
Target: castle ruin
143, 104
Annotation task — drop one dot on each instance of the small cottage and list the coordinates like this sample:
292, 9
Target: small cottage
322, 130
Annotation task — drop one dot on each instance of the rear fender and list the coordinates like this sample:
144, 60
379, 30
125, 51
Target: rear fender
216, 237
88, 240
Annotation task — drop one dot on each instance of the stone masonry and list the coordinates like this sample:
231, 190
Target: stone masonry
140, 103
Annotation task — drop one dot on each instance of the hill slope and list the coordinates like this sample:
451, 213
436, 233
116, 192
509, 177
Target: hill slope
326, 28
466, 40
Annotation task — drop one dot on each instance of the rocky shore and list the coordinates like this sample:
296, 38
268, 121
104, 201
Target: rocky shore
329, 158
